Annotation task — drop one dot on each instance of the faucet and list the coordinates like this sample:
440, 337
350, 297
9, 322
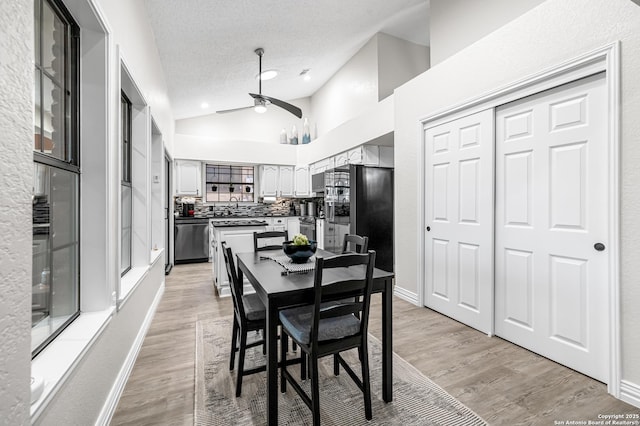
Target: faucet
234, 198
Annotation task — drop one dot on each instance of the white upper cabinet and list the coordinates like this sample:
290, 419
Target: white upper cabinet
286, 181
323, 165
341, 159
268, 180
302, 181
364, 154
188, 177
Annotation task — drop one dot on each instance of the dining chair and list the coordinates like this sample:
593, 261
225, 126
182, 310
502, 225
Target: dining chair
248, 315
355, 244
329, 326
269, 245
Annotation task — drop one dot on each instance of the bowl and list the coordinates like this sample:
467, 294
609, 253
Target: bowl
301, 253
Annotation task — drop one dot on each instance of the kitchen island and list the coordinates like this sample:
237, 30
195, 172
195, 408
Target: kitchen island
237, 232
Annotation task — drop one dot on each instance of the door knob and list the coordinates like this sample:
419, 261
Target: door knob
599, 246
428, 228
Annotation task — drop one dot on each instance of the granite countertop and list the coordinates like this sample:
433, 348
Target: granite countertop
239, 222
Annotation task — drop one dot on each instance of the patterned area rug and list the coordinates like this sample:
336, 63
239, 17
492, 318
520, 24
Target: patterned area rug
416, 399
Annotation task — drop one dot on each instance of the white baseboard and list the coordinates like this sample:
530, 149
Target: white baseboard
111, 403
630, 393
407, 295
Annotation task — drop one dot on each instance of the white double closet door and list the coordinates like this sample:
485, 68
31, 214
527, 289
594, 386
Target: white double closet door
544, 282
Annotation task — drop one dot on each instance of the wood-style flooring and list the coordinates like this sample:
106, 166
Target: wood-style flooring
501, 382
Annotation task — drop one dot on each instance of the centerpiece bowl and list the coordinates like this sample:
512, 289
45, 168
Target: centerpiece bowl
299, 253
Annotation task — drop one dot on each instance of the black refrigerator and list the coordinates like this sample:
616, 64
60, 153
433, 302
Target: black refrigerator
359, 200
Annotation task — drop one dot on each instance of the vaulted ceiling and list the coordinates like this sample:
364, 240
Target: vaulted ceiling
207, 46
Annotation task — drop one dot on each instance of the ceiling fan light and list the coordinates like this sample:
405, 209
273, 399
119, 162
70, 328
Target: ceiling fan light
260, 108
267, 75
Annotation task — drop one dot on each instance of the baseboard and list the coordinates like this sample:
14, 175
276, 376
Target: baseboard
111, 403
407, 295
630, 393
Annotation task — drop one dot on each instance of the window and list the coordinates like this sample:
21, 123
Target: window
56, 218
229, 183
126, 192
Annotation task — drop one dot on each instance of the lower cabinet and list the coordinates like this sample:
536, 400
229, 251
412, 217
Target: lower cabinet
240, 239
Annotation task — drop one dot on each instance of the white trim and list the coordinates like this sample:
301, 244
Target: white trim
630, 393
109, 407
407, 295
59, 359
607, 59
615, 344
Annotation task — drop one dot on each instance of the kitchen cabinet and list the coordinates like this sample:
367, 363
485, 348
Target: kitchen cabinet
293, 226
302, 181
240, 239
286, 181
188, 177
367, 155
276, 223
269, 180
320, 231
323, 165
341, 159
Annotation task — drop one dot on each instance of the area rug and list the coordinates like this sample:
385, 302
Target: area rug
416, 399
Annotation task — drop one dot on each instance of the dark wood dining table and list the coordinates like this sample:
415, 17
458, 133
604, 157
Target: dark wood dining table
279, 290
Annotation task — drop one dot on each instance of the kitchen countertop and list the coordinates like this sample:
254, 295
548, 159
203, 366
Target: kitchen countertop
239, 222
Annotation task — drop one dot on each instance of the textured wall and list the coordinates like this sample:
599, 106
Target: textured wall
545, 36
16, 168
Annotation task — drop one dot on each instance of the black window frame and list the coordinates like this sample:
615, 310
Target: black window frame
71, 135
230, 183
126, 148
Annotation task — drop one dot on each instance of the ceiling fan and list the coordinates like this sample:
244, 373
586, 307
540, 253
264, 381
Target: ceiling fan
260, 101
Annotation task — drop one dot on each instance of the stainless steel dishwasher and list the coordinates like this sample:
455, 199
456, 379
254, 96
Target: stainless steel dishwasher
191, 240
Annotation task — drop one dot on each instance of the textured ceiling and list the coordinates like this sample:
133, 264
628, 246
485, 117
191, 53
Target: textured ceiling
207, 46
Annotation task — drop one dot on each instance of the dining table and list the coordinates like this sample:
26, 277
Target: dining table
278, 289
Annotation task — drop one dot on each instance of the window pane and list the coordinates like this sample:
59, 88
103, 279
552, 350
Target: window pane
53, 119
53, 44
236, 174
55, 251
37, 113
125, 238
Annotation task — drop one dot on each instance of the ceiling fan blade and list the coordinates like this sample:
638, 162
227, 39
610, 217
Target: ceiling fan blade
224, 111
282, 104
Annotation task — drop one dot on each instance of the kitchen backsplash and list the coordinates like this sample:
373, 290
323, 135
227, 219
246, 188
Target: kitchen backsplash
281, 207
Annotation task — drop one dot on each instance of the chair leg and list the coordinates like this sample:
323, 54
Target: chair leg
303, 365
283, 359
366, 383
243, 347
234, 342
336, 365
315, 390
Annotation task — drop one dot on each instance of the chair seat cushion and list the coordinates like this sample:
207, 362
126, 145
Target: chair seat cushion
253, 307
297, 322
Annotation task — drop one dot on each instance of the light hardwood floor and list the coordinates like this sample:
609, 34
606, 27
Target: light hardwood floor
501, 382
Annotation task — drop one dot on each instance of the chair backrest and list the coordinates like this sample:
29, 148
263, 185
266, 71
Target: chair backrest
234, 282
269, 235
347, 278
355, 244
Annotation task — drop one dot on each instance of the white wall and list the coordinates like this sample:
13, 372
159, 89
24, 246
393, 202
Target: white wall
16, 172
90, 386
398, 62
455, 24
351, 90
537, 40
131, 31
246, 125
